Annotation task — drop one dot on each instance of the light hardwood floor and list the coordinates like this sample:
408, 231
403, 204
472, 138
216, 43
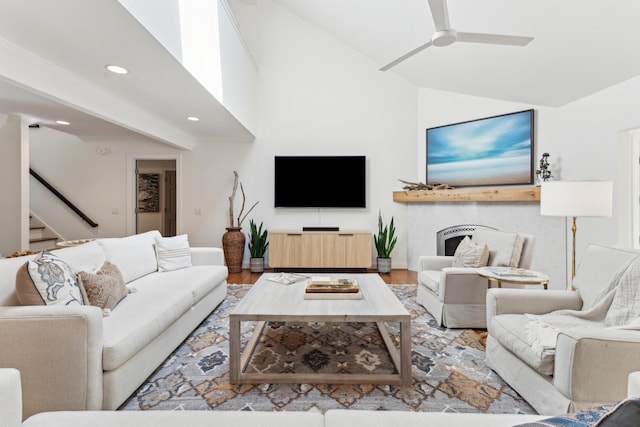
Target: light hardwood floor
396, 277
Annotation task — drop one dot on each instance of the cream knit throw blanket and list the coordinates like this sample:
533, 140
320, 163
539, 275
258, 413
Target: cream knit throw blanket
618, 308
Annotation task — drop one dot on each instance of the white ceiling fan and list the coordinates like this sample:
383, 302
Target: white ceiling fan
445, 35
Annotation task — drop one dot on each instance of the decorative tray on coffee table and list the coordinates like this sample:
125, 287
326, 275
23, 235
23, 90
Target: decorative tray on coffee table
327, 288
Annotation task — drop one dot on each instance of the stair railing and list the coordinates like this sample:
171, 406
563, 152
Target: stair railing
62, 198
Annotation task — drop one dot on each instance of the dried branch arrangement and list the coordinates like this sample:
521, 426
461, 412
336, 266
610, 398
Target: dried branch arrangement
422, 186
232, 198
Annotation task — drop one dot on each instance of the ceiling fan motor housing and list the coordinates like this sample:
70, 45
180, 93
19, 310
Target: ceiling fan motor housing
444, 37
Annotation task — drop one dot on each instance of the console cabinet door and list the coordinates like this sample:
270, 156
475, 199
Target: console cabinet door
283, 248
309, 255
295, 250
357, 250
333, 250
346, 250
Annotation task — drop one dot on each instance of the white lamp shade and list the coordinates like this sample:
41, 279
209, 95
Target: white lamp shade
576, 198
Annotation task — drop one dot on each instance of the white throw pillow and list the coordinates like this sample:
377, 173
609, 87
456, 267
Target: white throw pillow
470, 254
173, 253
505, 248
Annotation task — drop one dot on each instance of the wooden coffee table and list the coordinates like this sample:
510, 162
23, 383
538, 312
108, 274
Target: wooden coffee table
269, 301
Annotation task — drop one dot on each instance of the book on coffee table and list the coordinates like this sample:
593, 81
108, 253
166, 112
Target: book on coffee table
287, 278
325, 288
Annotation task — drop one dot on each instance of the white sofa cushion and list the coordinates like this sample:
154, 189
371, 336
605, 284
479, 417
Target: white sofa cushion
139, 319
430, 279
159, 300
505, 248
135, 256
198, 279
509, 330
349, 418
189, 418
597, 267
86, 257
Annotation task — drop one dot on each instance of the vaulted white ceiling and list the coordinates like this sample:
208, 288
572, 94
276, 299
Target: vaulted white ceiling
580, 46
52, 66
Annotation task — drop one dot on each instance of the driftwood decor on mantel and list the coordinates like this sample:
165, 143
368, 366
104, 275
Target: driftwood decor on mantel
475, 194
413, 186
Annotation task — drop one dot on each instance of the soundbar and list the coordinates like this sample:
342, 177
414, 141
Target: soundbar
320, 228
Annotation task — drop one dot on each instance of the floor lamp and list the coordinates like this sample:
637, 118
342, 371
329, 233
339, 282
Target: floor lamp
576, 199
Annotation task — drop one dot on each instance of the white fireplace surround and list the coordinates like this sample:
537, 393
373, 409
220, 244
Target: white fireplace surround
426, 219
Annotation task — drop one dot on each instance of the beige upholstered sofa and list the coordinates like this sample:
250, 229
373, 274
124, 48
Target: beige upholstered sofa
455, 296
71, 357
590, 365
10, 416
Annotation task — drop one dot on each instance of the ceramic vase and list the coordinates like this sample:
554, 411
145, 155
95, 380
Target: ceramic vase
256, 265
233, 247
384, 265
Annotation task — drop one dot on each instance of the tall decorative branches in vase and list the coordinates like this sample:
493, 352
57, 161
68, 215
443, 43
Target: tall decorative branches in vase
233, 240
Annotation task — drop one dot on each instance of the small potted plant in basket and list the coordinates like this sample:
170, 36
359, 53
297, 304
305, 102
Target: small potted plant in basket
385, 241
257, 247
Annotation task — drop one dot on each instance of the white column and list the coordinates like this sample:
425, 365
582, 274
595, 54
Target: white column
14, 185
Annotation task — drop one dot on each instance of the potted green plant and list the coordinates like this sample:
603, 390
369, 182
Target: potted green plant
385, 241
257, 246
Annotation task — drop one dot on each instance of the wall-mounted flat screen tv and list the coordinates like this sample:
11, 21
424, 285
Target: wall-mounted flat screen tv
320, 182
495, 150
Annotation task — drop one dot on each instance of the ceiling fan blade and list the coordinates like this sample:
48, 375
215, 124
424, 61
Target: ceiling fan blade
440, 14
493, 39
406, 56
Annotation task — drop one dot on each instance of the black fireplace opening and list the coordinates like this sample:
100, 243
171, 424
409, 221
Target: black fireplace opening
448, 239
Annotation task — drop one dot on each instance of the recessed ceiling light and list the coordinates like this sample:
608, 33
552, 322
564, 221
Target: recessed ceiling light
117, 69
193, 118
62, 122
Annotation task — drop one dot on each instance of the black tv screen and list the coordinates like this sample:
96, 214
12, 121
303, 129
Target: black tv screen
495, 150
320, 182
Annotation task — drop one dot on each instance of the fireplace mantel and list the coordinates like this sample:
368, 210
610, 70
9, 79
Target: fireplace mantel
476, 194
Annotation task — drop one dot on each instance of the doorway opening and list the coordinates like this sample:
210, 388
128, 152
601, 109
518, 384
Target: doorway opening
154, 194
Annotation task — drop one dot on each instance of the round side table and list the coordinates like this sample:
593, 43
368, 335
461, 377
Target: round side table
517, 276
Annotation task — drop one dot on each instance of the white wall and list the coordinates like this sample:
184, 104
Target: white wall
587, 139
438, 108
316, 96
203, 36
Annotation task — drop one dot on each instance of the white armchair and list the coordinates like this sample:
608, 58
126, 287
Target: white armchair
590, 364
456, 296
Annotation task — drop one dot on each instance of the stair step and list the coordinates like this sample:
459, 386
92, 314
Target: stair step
41, 227
43, 239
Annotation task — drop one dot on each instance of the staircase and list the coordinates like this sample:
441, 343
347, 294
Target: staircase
40, 236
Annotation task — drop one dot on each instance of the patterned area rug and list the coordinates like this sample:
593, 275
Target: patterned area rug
449, 372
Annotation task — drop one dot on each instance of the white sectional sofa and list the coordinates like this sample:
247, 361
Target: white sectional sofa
76, 358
